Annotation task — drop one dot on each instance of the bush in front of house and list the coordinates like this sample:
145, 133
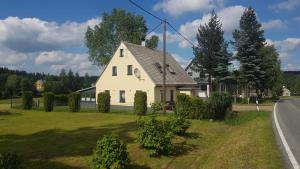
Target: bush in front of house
110, 152
178, 124
218, 105
183, 105
48, 101
140, 103
74, 102
61, 99
27, 100
10, 161
197, 109
103, 102
155, 135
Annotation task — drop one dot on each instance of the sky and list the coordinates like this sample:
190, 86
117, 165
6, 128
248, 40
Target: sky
47, 36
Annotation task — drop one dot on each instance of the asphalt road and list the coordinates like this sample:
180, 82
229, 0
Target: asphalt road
288, 117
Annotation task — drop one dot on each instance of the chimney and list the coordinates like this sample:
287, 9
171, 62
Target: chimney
143, 43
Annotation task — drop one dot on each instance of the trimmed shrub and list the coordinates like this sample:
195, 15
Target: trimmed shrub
111, 153
48, 101
10, 161
27, 100
61, 99
183, 105
74, 102
140, 103
103, 102
178, 125
218, 105
155, 135
197, 109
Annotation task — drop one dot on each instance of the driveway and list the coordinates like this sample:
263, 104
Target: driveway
286, 118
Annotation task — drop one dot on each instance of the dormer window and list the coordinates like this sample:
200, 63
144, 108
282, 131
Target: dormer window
170, 69
158, 67
121, 52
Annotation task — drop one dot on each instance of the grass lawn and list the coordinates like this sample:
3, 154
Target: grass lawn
63, 140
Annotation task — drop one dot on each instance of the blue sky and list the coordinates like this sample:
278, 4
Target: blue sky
48, 35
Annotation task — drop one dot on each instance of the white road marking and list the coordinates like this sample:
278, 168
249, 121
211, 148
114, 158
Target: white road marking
284, 142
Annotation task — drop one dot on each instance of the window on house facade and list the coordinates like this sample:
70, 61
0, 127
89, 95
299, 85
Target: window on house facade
107, 91
172, 95
121, 52
114, 70
122, 96
190, 73
129, 69
161, 95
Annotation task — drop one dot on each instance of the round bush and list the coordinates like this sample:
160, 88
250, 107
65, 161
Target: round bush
103, 102
218, 105
140, 103
48, 101
74, 102
10, 161
178, 125
110, 153
27, 100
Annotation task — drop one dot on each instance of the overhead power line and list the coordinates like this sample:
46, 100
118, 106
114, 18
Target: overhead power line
185, 38
137, 5
152, 30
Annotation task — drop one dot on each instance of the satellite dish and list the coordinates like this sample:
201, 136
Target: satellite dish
137, 73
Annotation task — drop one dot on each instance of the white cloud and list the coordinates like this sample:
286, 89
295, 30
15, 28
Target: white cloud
33, 34
291, 67
286, 5
273, 24
229, 17
11, 58
288, 45
178, 7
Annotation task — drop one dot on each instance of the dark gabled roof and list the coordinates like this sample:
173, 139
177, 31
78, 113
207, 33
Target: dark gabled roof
149, 58
86, 89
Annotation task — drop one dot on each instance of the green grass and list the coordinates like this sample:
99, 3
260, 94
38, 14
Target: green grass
63, 140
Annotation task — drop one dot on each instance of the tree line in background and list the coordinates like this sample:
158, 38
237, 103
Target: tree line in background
259, 64
292, 81
14, 82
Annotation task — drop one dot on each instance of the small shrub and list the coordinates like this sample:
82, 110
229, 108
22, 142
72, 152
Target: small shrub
74, 102
155, 135
197, 109
140, 103
218, 105
27, 100
183, 105
10, 161
48, 101
110, 153
156, 107
61, 99
178, 125
103, 102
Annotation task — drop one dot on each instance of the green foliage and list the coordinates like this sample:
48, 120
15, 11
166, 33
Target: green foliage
152, 42
26, 85
103, 102
11, 84
74, 102
178, 125
115, 27
197, 109
218, 105
183, 105
48, 101
140, 103
61, 99
27, 100
156, 107
155, 135
110, 153
10, 161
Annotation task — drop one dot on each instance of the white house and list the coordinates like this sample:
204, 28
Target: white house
135, 67
285, 91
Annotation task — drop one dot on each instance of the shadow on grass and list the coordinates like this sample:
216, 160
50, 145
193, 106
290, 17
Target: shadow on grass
39, 148
245, 117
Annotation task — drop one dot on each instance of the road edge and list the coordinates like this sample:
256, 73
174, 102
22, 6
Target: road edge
285, 146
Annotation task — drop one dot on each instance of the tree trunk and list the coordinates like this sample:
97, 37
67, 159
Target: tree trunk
209, 84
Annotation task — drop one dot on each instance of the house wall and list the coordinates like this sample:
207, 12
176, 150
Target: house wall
128, 83
158, 91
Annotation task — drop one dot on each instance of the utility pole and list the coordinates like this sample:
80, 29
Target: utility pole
164, 67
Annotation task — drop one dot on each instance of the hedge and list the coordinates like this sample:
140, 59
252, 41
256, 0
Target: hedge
140, 103
183, 105
103, 102
48, 101
218, 105
74, 102
27, 100
10, 161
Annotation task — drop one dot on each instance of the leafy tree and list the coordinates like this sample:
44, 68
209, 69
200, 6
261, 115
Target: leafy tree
11, 85
115, 27
271, 66
26, 85
297, 86
248, 40
211, 53
152, 42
